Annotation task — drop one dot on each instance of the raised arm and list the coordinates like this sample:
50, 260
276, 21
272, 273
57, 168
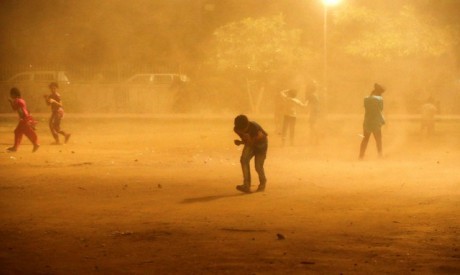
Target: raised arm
283, 94
299, 103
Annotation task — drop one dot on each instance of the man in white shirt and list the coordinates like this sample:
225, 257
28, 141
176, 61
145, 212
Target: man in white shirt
291, 103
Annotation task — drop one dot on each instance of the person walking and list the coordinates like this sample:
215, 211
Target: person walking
291, 103
57, 112
26, 124
373, 119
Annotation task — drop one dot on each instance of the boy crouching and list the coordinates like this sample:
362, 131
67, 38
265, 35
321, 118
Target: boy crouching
255, 141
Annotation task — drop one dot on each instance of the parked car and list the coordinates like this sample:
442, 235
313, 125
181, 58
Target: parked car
40, 77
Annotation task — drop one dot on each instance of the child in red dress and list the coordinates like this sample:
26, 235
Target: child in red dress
26, 125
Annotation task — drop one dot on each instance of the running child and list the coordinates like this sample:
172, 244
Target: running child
26, 125
57, 112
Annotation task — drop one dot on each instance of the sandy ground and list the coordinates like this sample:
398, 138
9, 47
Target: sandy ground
157, 196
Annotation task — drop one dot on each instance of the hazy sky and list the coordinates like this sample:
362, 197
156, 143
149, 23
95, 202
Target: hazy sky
115, 31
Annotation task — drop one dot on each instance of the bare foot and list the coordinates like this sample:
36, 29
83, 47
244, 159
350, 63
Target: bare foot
36, 146
67, 137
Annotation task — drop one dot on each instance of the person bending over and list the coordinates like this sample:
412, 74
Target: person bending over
255, 141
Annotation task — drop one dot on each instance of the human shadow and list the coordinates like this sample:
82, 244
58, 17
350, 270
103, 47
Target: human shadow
212, 198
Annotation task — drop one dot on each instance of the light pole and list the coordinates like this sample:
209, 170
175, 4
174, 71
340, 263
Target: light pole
326, 3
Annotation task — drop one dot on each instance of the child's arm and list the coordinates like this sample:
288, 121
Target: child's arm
245, 138
13, 106
238, 142
52, 101
47, 99
16, 107
248, 140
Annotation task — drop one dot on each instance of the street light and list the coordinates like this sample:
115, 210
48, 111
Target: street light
326, 3
331, 2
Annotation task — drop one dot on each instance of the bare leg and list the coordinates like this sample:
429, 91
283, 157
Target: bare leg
364, 144
378, 141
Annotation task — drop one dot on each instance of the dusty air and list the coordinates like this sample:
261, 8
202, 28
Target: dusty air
230, 137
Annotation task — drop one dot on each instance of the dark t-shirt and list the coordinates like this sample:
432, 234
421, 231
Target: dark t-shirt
373, 117
253, 131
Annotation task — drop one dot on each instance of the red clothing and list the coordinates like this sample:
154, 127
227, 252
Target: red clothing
26, 125
24, 128
19, 105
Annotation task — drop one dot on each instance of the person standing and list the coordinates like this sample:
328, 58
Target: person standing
255, 141
373, 119
57, 112
290, 113
26, 125
312, 100
429, 111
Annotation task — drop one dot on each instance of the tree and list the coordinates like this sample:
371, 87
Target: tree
262, 45
405, 46
395, 35
257, 48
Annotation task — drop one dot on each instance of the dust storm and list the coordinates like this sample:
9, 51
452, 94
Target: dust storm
150, 92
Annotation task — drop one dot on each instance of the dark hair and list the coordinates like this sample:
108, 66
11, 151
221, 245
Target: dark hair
241, 122
14, 92
53, 84
378, 89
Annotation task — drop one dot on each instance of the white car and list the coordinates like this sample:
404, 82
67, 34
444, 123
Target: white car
40, 77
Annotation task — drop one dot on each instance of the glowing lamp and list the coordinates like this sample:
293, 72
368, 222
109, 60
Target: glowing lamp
331, 2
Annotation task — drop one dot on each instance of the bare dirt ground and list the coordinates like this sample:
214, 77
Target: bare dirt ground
143, 195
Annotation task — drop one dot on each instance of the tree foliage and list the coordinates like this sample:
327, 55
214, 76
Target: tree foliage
391, 35
260, 45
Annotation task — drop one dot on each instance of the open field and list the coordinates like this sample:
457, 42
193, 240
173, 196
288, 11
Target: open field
157, 195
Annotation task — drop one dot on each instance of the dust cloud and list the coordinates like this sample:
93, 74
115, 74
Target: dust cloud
146, 184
